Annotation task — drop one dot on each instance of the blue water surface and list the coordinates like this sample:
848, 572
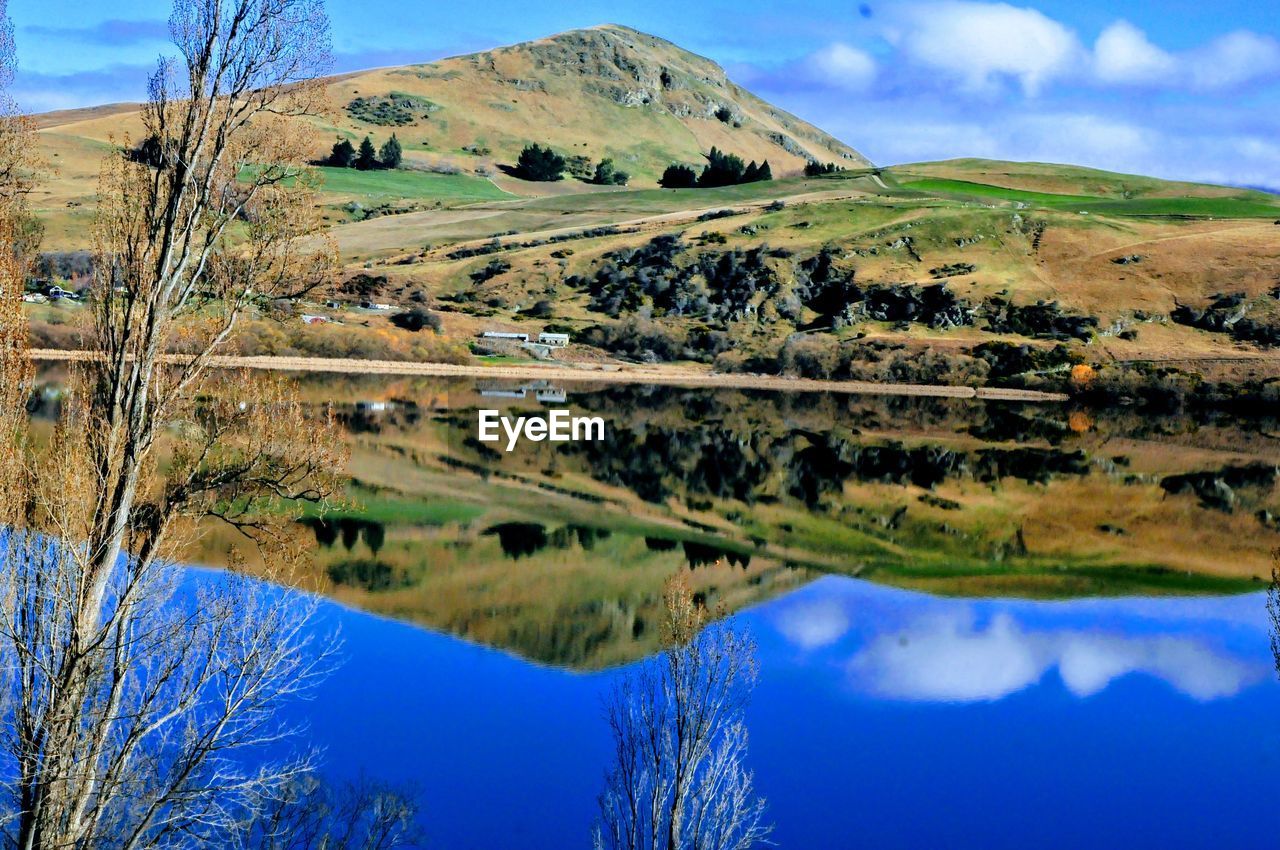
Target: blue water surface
882, 718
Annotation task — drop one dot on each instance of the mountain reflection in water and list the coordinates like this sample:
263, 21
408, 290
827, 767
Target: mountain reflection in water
883, 718
557, 551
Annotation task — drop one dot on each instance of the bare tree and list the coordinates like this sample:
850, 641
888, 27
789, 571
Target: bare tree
679, 781
14, 133
360, 815
141, 702
1273, 607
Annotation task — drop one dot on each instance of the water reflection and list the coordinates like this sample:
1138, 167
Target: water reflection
1152, 715
958, 651
958, 659
757, 493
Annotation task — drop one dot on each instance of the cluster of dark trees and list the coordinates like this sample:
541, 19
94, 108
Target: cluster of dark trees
728, 286
667, 277
813, 168
366, 158
544, 165
722, 169
718, 461
1042, 320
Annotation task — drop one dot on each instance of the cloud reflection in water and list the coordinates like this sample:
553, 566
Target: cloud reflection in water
901, 646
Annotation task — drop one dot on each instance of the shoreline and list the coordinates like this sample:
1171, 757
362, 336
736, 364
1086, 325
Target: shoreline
671, 376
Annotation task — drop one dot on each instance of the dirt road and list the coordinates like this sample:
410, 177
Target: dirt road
668, 376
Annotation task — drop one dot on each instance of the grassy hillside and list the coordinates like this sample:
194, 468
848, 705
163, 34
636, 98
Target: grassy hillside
1115, 266
607, 91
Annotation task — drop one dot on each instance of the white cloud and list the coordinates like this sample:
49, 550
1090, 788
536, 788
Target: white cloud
952, 658
983, 43
1234, 60
842, 66
1123, 54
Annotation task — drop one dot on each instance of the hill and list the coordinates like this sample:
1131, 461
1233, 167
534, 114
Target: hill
606, 91
781, 275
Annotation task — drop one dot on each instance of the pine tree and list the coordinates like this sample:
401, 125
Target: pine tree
391, 154
752, 174
367, 160
723, 169
765, 173
343, 154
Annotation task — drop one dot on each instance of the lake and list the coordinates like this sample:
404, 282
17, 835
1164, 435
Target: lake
882, 718
978, 624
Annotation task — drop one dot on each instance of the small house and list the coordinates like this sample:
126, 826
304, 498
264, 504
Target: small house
505, 335
315, 320
554, 340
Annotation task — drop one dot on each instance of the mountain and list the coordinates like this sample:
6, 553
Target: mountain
604, 91
944, 257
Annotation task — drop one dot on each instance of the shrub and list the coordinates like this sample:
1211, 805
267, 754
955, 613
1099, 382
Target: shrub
607, 175
540, 309
638, 339
393, 110
416, 319
580, 166
810, 356
149, 152
486, 273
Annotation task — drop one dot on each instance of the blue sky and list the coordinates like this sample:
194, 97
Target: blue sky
1175, 89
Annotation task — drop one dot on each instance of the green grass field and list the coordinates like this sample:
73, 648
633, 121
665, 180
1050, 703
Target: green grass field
1246, 205
408, 185
938, 185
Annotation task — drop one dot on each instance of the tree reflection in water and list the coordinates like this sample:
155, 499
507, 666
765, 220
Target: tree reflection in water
679, 779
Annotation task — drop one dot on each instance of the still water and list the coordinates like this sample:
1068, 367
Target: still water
978, 625
882, 718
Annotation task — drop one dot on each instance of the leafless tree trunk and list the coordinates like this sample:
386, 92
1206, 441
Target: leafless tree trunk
679, 781
1273, 607
140, 704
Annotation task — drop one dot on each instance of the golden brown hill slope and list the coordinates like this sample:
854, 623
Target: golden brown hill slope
603, 91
